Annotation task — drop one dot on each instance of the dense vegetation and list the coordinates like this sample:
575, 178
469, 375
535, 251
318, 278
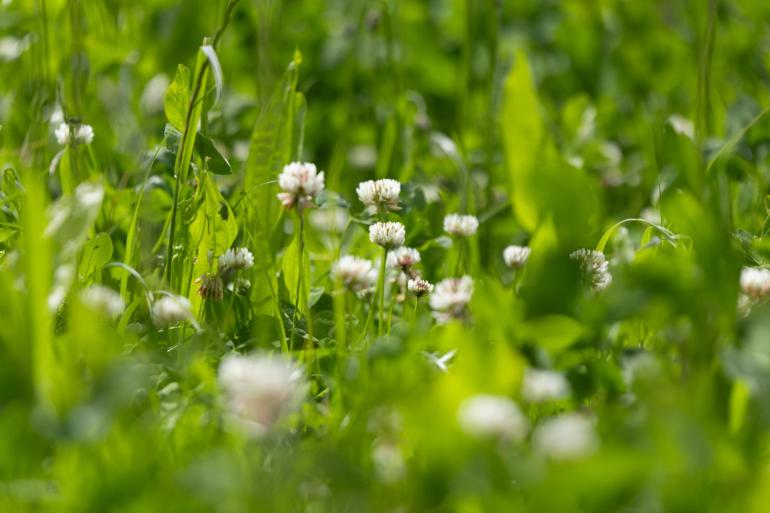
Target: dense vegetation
387, 256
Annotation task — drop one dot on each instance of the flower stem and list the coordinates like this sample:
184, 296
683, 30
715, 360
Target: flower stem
381, 290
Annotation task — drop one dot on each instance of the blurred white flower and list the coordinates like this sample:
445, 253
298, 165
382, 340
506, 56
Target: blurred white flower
461, 225
593, 267
403, 258
260, 390
329, 219
419, 287
450, 298
388, 461
357, 274
211, 286
755, 283
301, 183
154, 93
544, 385
388, 235
74, 133
170, 310
516, 256
566, 437
236, 259
492, 416
103, 300
379, 195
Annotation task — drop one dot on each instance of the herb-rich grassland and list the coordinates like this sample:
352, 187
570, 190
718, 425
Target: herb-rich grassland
384, 256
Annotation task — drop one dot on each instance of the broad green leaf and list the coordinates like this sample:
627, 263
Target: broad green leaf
296, 269
216, 162
523, 138
270, 150
96, 253
177, 98
552, 332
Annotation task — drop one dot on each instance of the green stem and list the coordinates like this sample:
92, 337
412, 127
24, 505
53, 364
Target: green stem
381, 291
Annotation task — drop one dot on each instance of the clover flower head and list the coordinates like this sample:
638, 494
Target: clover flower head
544, 385
300, 183
450, 298
566, 437
74, 133
388, 234
516, 256
755, 283
103, 300
356, 274
459, 225
403, 258
211, 286
379, 195
170, 310
261, 390
236, 259
492, 416
419, 287
593, 267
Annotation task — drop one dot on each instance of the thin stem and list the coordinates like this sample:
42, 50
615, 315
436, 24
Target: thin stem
300, 234
381, 290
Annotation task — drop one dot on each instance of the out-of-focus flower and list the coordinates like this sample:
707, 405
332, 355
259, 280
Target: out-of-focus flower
379, 195
544, 385
103, 300
461, 225
261, 390
419, 287
566, 437
74, 133
593, 267
211, 286
235, 259
403, 259
515, 256
388, 235
357, 274
492, 416
755, 283
388, 461
329, 220
301, 183
450, 298
170, 310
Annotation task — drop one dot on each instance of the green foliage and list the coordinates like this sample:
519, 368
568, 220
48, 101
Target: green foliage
174, 338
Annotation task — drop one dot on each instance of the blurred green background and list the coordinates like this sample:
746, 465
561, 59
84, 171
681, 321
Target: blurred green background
550, 120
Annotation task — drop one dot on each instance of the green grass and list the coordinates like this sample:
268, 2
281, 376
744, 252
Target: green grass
149, 363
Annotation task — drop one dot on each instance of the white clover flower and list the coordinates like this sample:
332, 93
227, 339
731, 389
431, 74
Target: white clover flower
260, 390
492, 416
461, 225
544, 385
593, 267
103, 300
74, 133
403, 258
357, 274
388, 461
755, 283
388, 235
301, 183
170, 310
566, 437
379, 195
516, 256
236, 259
419, 287
450, 298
